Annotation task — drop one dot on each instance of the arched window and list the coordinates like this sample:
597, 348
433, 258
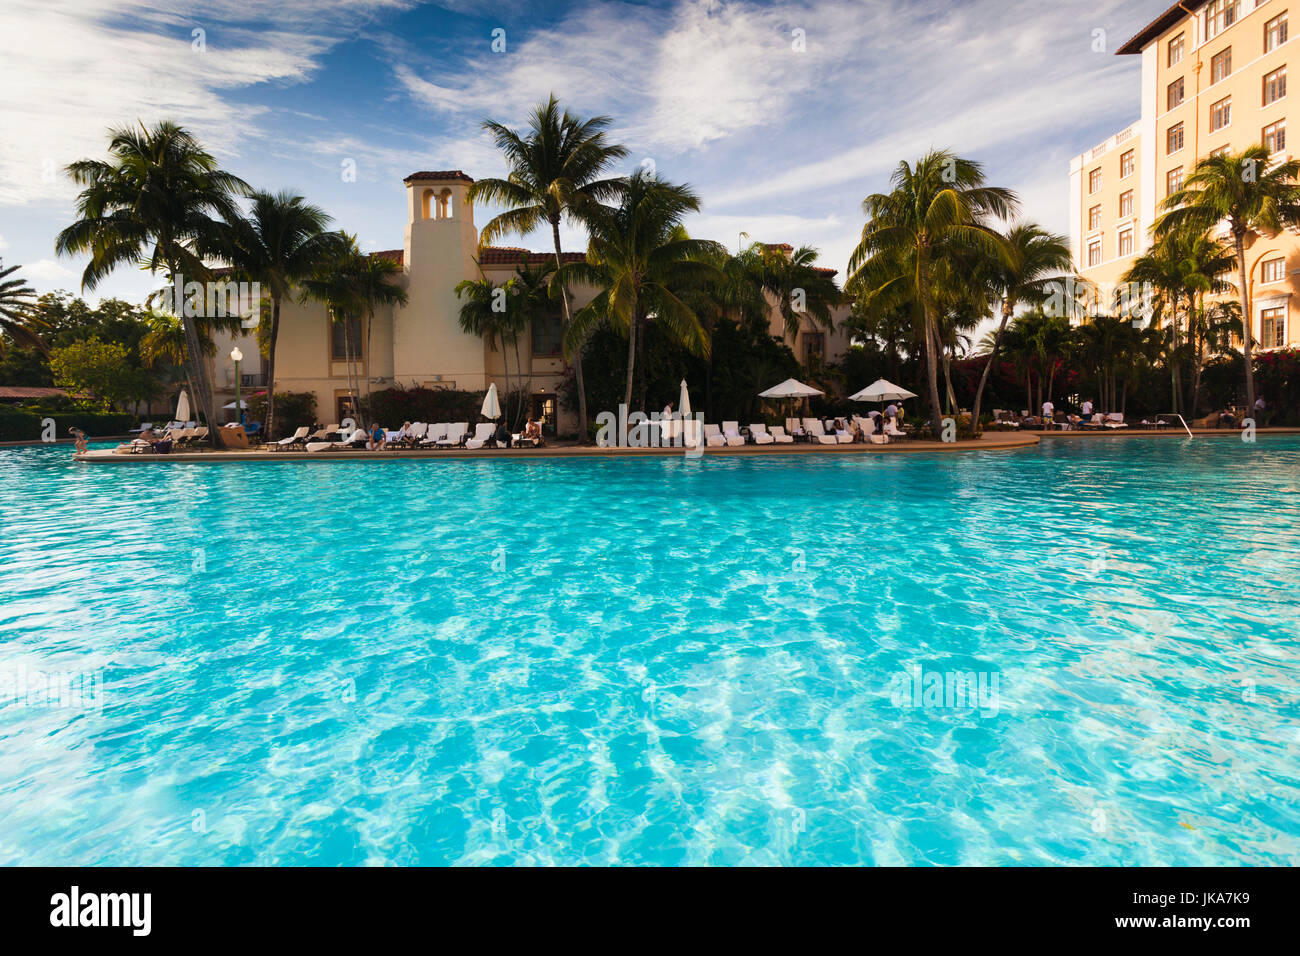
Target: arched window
444, 204
426, 204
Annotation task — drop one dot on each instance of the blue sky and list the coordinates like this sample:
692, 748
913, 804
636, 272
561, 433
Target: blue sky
781, 143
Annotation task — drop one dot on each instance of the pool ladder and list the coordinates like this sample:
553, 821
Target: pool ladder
1181, 419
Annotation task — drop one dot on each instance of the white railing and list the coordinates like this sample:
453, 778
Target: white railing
1181, 419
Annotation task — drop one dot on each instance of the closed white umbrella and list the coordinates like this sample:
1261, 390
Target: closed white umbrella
183, 407
491, 407
882, 391
791, 388
684, 402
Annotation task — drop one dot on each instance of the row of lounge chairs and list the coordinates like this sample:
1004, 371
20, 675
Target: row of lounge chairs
813, 430
1098, 421
171, 438
419, 435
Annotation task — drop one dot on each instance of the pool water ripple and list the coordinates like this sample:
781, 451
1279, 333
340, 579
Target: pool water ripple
658, 661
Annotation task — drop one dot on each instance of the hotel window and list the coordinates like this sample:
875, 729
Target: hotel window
1221, 65
1272, 328
1220, 15
345, 337
1094, 180
1176, 46
1275, 136
1126, 242
1221, 151
1094, 218
1275, 85
814, 349
1094, 253
1127, 164
1221, 114
1275, 33
1174, 138
1174, 94
1173, 181
1126, 204
548, 335
1274, 270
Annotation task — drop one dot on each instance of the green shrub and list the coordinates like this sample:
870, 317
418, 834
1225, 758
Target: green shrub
292, 409
24, 424
399, 404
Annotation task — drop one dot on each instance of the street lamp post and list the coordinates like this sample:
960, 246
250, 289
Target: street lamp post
238, 356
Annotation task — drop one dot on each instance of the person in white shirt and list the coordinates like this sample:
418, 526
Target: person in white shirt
1086, 408
1049, 410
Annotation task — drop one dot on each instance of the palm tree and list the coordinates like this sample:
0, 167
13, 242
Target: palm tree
799, 286
335, 285
487, 310
155, 203
556, 171
374, 283
1250, 196
281, 242
937, 207
1212, 331
15, 311
164, 344
643, 262
1035, 266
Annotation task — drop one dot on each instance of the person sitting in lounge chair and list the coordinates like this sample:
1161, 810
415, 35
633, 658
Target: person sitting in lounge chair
531, 436
377, 440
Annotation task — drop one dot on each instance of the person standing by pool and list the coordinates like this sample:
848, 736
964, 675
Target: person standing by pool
1261, 406
1049, 413
891, 410
1086, 408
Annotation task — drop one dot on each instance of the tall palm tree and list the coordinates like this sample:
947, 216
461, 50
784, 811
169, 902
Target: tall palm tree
937, 207
1244, 191
491, 312
643, 262
156, 202
1036, 264
335, 286
375, 283
282, 241
16, 301
163, 343
556, 172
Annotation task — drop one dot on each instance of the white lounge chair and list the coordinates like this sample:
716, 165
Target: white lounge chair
299, 436
483, 433
842, 437
434, 433
868, 426
713, 437
817, 432
356, 439
760, 435
455, 435
323, 434
892, 429
731, 432
779, 436
794, 428
1116, 420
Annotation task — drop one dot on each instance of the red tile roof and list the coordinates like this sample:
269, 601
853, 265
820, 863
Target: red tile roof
515, 255
787, 248
397, 255
1159, 25
16, 392
440, 174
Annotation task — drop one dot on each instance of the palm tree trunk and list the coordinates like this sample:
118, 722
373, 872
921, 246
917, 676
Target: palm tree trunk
931, 360
197, 366
631, 359
1247, 323
365, 357
577, 355
270, 368
984, 375
640, 362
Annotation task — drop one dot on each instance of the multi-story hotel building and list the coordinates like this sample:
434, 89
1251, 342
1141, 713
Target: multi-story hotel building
421, 343
1214, 78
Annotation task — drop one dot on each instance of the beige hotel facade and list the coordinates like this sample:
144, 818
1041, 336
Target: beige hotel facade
1214, 78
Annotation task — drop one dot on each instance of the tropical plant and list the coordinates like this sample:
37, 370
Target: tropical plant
937, 208
281, 242
799, 286
156, 202
643, 263
1251, 195
16, 320
486, 311
556, 173
1036, 266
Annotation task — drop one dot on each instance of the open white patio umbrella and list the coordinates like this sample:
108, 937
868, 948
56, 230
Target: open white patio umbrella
183, 407
882, 391
491, 406
791, 388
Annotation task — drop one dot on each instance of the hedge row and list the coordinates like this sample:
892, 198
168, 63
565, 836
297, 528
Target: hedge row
21, 424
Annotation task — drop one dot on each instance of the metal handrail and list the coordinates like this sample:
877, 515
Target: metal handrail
1181, 419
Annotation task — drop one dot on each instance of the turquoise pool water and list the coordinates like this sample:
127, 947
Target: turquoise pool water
656, 661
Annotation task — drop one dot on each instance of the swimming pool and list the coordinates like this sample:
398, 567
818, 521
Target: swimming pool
735, 660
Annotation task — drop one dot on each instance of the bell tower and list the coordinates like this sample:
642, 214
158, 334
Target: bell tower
441, 242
